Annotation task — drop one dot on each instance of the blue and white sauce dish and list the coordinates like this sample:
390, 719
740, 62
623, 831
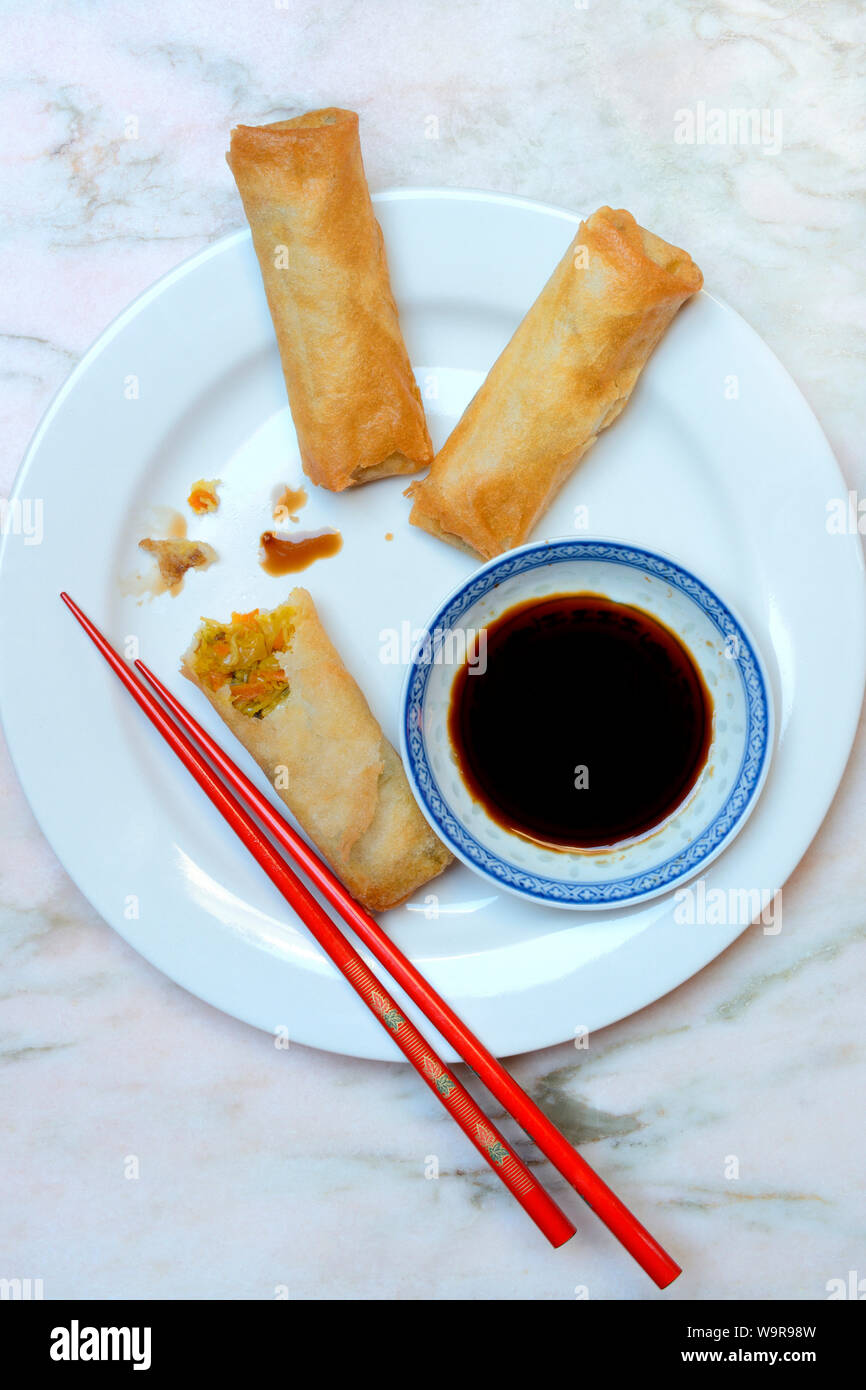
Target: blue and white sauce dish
697, 830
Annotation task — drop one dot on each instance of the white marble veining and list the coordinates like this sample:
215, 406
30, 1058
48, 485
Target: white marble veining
262, 1169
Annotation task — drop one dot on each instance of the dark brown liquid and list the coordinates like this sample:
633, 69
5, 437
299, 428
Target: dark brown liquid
288, 555
589, 725
289, 502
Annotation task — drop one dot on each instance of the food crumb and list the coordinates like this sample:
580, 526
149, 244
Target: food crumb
203, 496
175, 557
389, 535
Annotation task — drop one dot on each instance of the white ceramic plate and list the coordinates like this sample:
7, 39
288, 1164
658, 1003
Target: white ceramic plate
716, 460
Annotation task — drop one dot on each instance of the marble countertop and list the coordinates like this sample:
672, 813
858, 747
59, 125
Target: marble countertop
265, 1173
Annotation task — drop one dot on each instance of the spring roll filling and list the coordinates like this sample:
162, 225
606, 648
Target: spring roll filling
243, 655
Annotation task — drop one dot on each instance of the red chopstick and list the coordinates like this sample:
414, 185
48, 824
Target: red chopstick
552, 1143
628, 1230
651, 1256
511, 1171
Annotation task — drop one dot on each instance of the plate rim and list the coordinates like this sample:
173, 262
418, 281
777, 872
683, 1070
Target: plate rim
401, 193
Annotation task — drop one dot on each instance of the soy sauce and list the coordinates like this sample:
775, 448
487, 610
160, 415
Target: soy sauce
588, 726
291, 554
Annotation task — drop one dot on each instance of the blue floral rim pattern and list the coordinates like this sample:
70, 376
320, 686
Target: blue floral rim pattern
662, 876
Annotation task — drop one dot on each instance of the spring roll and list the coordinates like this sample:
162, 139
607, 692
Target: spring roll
354, 400
283, 691
563, 378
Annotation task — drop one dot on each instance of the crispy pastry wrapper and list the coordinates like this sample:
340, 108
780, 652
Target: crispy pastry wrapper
355, 403
325, 754
566, 374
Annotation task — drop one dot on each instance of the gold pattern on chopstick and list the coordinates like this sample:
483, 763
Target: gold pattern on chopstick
441, 1080
390, 1015
497, 1151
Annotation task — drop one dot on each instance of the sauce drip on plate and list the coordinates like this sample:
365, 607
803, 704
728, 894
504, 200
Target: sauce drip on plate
290, 554
288, 503
588, 725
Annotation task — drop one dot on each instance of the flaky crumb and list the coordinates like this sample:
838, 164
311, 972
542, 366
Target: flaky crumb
175, 557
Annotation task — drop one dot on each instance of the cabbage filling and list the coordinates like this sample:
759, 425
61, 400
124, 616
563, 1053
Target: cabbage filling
240, 654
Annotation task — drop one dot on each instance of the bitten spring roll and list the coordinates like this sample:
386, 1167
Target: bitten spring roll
563, 378
282, 689
354, 400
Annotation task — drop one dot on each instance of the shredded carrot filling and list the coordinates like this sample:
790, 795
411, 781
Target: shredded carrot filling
260, 684
240, 654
